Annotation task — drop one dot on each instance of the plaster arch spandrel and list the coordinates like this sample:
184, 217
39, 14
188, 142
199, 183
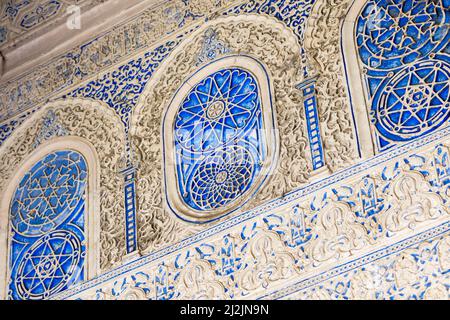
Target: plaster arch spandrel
95, 124
324, 57
265, 40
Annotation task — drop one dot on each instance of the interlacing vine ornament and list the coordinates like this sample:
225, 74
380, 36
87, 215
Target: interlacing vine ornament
403, 47
47, 250
218, 140
212, 47
50, 128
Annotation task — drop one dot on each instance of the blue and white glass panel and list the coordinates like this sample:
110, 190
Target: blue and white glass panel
47, 219
220, 146
404, 48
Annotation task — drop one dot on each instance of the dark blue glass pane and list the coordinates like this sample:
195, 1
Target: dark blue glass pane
47, 219
402, 45
218, 143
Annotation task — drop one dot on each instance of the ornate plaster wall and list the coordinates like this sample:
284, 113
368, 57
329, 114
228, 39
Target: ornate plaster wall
325, 241
364, 226
243, 35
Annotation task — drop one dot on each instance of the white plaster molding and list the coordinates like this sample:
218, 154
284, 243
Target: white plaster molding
356, 90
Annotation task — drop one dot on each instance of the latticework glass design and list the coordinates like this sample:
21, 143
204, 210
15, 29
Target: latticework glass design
219, 141
47, 244
404, 51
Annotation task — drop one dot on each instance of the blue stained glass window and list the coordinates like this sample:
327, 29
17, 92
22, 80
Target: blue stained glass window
47, 246
219, 141
404, 49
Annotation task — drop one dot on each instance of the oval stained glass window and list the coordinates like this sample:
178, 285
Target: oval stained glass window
222, 142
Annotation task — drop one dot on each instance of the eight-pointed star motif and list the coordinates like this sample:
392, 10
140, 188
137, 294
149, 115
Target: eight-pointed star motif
216, 110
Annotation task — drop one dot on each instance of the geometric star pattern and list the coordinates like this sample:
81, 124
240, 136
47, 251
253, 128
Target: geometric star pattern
219, 144
392, 33
403, 48
47, 250
48, 193
49, 265
415, 101
216, 110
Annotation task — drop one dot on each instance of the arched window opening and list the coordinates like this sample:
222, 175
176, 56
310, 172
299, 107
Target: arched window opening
404, 65
221, 138
48, 241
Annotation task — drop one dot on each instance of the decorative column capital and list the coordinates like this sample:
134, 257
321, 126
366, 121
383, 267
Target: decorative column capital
307, 86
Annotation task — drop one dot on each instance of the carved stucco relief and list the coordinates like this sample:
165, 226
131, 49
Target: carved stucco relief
20, 20
271, 43
104, 51
416, 273
322, 45
312, 238
99, 126
411, 203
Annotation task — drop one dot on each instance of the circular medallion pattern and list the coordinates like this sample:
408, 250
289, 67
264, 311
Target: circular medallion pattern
222, 177
217, 110
392, 33
415, 101
49, 265
48, 193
